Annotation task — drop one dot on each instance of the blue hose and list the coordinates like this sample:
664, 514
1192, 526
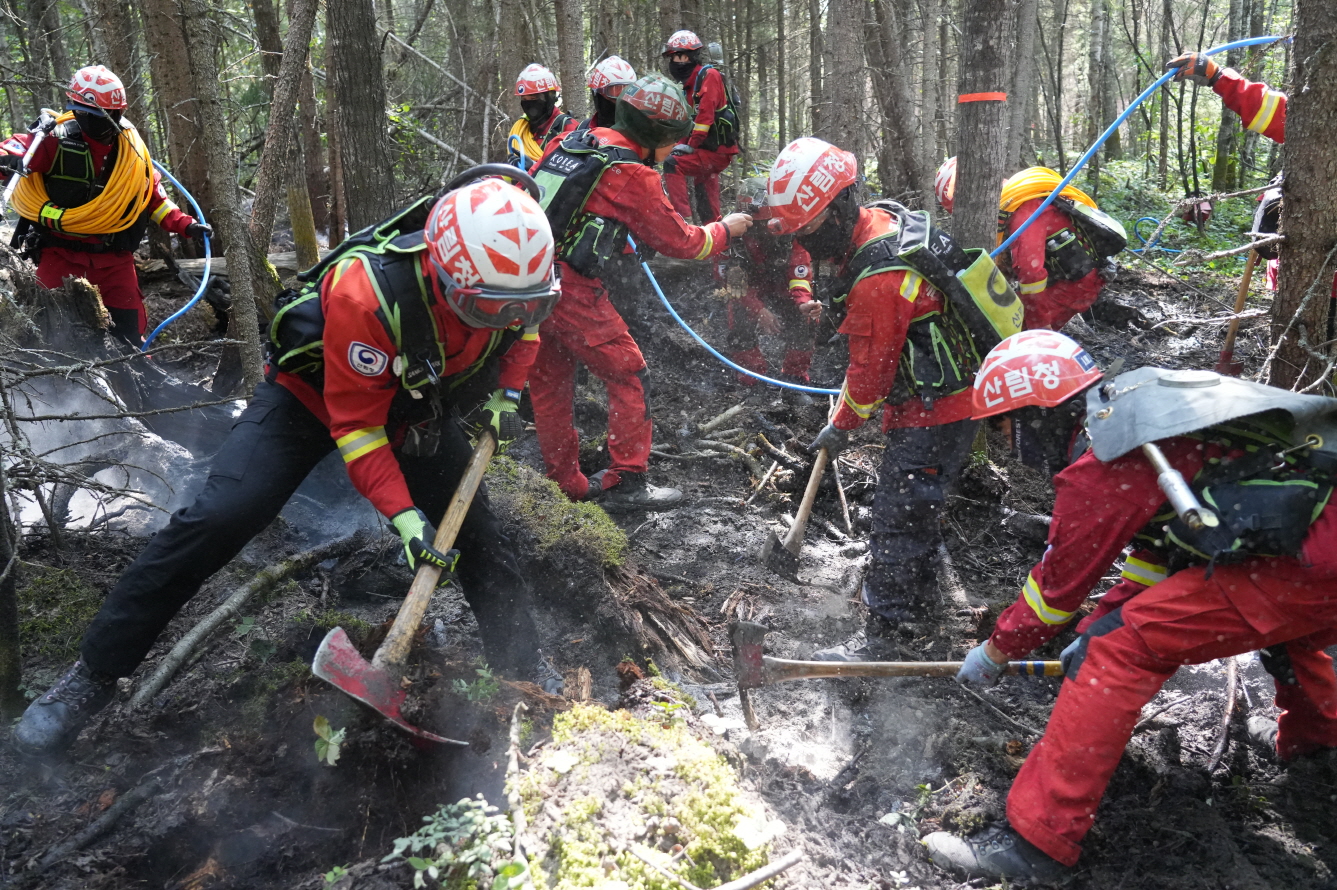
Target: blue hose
1155, 245
208, 261
711, 349
1090, 152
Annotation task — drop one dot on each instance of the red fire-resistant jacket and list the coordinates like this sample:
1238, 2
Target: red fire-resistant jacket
162, 210
360, 383
706, 93
1049, 304
632, 194
1262, 109
1098, 508
768, 279
881, 308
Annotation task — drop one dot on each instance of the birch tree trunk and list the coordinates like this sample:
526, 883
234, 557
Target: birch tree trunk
981, 157
1023, 82
358, 84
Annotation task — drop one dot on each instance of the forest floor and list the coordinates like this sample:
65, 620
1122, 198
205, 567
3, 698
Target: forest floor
855, 770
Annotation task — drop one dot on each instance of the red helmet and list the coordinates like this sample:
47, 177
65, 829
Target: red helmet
492, 248
97, 87
804, 179
682, 42
944, 184
611, 76
1040, 368
536, 79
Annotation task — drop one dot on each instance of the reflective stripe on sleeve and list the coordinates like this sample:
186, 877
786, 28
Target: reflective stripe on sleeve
164, 208
709, 245
911, 286
1268, 110
1035, 599
1034, 287
1139, 571
801, 283
361, 442
701, 128
864, 411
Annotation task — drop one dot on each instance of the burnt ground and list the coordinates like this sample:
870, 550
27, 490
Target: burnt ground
857, 770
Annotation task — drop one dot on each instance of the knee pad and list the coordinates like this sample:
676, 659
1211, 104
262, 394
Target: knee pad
643, 375
1074, 656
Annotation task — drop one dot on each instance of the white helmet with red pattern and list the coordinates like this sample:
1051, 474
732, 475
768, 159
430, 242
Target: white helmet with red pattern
611, 76
536, 79
944, 184
682, 42
1039, 368
492, 247
806, 176
97, 87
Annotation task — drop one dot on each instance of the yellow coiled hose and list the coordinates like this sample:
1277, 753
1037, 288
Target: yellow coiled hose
125, 197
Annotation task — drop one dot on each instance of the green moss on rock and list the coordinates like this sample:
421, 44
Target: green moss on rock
558, 526
55, 605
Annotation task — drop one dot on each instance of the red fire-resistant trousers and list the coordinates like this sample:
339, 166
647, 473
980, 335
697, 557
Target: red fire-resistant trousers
703, 166
112, 272
1186, 619
619, 364
1055, 306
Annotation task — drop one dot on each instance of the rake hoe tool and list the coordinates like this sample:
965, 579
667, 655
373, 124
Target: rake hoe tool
377, 683
754, 670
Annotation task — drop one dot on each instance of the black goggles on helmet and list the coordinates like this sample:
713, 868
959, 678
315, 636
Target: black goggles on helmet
490, 307
612, 90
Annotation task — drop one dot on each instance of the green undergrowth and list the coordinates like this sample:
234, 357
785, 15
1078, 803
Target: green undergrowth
55, 605
559, 527
610, 782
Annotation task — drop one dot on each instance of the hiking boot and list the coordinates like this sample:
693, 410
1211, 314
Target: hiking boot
1263, 733
52, 722
874, 643
632, 492
998, 852
546, 677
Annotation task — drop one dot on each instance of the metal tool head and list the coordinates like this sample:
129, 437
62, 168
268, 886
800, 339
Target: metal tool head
338, 663
747, 638
776, 557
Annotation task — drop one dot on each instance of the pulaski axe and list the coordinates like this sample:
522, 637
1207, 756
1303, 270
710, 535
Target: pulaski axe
781, 556
378, 683
754, 670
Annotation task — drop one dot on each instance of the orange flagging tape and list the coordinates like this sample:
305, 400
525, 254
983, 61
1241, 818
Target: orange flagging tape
981, 97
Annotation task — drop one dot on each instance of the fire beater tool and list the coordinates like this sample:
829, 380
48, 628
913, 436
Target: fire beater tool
1226, 363
378, 683
781, 556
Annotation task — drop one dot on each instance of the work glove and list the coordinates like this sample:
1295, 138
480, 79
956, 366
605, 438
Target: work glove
832, 439
199, 231
979, 669
418, 534
499, 412
1069, 653
1195, 67
682, 148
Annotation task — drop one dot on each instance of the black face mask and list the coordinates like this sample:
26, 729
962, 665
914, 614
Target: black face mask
1043, 437
681, 70
605, 110
539, 109
97, 127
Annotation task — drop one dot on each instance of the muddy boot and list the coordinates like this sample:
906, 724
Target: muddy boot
632, 492
876, 642
998, 852
53, 721
1263, 734
546, 676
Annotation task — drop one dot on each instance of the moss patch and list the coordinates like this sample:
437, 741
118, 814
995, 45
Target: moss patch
55, 605
557, 525
610, 783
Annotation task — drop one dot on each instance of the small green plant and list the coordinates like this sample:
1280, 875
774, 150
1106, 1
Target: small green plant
329, 741
668, 715
244, 626
482, 689
336, 874
907, 822
463, 846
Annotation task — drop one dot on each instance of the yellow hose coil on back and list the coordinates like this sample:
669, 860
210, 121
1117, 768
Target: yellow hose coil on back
115, 209
1030, 184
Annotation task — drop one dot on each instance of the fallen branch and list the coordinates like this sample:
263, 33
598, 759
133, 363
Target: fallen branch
762, 484
1232, 695
748, 460
753, 879
706, 428
513, 801
791, 461
840, 490
1196, 256
263, 581
121, 414
123, 806
1016, 724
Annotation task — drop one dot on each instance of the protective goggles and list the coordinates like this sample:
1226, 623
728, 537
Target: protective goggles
484, 307
112, 114
612, 90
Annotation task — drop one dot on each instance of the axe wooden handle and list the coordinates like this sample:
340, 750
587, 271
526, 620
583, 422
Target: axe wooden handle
778, 670
400, 637
793, 541
1241, 298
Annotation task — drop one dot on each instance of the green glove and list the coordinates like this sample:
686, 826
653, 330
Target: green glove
418, 534
499, 412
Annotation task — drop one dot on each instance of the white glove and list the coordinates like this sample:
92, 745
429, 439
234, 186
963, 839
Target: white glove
979, 669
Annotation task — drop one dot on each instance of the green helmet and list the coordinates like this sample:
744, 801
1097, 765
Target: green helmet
653, 112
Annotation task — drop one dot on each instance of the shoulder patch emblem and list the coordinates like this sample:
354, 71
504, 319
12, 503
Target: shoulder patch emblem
366, 359
800, 271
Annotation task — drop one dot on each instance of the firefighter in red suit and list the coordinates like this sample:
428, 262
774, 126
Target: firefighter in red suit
73, 164
713, 141
363, 362
778, 298
598, 186
1281, 604
1039, 261
542, 123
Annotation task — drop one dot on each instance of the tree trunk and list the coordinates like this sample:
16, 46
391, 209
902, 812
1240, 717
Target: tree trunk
981, 157
170, 67
1109, 88
843, 122
338, 217
571, 55
12, 701
900, 167
39, 55
1308, 213
816, 108
313, 154
931, 151
358, 85
1023, 82
1095, 73
1225, 170
121, 34
227, 217
55, 41
1163, 158
782, 96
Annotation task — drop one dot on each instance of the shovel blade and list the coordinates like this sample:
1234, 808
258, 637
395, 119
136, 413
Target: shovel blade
774, 556
338, 663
